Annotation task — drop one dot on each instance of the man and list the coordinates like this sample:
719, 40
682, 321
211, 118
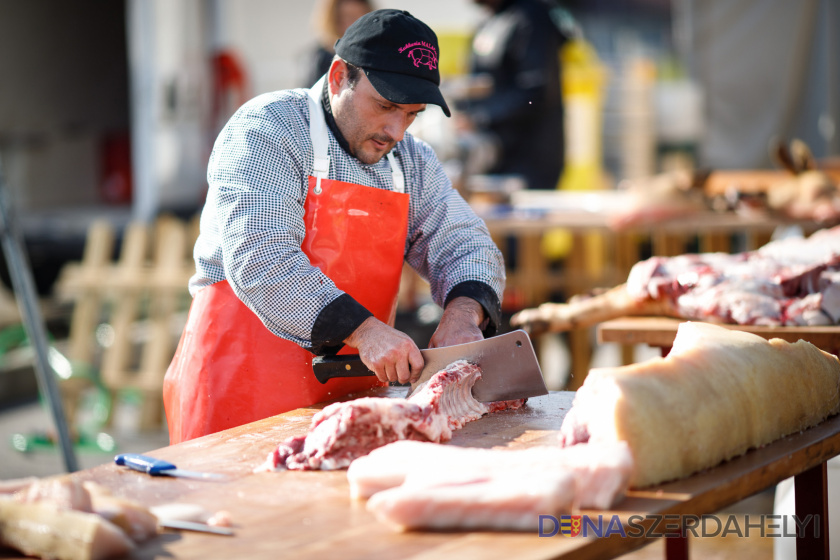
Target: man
316, 198
518, 48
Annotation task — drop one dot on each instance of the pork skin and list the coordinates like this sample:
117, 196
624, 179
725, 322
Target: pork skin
462, 500
717, 394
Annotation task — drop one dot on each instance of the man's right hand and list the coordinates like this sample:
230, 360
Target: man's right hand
387, 352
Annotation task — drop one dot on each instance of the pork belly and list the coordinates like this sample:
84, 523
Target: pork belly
718, 393
601, 472
344, 431
458, 499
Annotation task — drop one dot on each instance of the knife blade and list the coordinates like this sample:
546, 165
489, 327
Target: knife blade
159, 467
193, 526
509, 366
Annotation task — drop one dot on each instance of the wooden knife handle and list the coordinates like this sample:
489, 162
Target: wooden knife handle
349, 365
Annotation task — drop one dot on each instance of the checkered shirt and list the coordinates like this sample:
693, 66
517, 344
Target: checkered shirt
252, 222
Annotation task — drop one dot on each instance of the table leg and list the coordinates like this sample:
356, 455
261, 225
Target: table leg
676, 547
811, 498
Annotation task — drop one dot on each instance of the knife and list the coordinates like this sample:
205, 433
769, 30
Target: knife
193, 526
159, 467
509, 366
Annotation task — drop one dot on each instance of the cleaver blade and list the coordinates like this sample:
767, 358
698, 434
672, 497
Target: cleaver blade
509, 366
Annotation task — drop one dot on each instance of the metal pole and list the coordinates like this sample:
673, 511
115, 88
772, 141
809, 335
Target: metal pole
23, 285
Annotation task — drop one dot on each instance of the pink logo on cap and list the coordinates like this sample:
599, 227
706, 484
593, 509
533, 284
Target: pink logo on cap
421, 52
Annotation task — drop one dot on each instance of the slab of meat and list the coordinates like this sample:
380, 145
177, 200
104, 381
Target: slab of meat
654, 199
601, 472
344, 431
717, 394
510, 501
789, 282
60, 517
40, 529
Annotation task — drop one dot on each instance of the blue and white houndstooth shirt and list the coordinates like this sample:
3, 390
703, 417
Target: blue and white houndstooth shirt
252, 224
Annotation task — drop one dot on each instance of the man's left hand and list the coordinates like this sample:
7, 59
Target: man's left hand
461, 322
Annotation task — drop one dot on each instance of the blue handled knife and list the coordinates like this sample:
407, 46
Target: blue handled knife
159, 467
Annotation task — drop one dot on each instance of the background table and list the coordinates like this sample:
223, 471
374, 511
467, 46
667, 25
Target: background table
660, 332
601, 256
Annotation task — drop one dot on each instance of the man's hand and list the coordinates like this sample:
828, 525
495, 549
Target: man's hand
461, 322
387, 352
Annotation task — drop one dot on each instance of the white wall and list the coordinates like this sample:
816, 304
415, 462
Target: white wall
62, 89
171, 44
273, 37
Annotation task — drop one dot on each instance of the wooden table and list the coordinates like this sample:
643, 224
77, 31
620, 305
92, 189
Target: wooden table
660, 332
310, 514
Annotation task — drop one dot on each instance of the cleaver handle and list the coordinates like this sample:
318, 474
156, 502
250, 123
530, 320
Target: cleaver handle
349, 365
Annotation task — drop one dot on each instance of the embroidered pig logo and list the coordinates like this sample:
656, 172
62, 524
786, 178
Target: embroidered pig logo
422, 55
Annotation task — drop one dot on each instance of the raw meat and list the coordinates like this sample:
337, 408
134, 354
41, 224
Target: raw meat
344, 431
717, 394
658, 198
60, 517
812, 193
601, 471
12, 485
42, 529
137, 521
789, 282
463, 500
61, 492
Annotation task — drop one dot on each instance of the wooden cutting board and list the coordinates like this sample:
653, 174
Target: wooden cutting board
310, 514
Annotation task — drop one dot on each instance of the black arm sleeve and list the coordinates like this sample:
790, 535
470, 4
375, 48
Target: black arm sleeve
336, 322
486, 297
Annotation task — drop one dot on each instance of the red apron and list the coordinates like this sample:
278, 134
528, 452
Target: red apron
229, 369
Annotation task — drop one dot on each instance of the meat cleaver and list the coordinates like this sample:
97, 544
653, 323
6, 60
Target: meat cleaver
509, 367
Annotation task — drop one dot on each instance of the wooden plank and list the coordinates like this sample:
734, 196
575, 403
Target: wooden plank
117, 359
660, 331
169, 255
310, 515
82, 347
99, 248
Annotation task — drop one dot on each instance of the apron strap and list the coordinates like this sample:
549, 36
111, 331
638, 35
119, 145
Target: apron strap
320, 142
318, 134
396, 173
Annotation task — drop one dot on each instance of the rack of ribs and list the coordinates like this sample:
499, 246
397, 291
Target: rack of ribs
344, 431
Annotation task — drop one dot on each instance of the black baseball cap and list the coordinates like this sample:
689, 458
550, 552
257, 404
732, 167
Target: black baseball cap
398, 53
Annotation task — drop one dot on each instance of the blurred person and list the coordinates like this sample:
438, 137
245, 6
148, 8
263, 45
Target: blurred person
332, 18
518, 48
316, 199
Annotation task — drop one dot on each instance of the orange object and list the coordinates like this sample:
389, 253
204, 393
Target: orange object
229, 79
229, 369
115, 183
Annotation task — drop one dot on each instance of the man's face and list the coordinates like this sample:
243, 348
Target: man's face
371, 124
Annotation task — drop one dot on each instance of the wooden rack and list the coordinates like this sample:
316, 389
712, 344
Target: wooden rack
128, 313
